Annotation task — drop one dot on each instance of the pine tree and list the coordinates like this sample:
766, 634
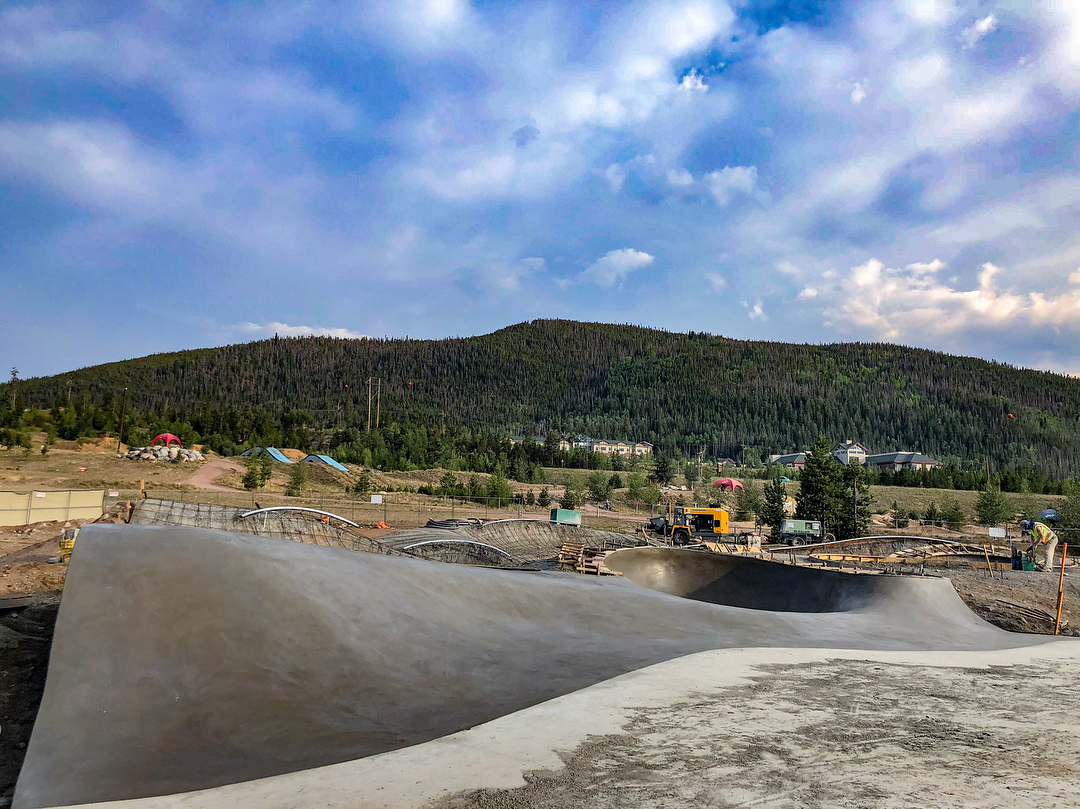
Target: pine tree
932, 513
297, 480
747, 503
544, 499
573, 493
448, 483
530, 498
692, 473
662, 471
253, 478
853, 518
266, 467
598, 486
363, 483
952, 513
820, 494
992, 507
772, 507
498, 486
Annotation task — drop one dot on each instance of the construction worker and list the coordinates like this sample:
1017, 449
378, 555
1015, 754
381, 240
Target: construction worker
1040, 533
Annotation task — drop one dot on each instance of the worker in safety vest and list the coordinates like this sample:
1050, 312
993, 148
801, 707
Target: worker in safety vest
1041, 534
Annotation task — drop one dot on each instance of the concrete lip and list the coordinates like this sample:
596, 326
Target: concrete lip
753, 583
188, 659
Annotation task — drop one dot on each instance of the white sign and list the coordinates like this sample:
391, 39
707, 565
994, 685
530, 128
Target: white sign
114, 494
376, 498
39, 494
997, 532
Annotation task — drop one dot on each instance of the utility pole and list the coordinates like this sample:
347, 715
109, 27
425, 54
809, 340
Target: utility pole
69, 393
123, 409
378, 400
14, 386
369, 404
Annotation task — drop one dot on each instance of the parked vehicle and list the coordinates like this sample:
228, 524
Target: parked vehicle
803, 532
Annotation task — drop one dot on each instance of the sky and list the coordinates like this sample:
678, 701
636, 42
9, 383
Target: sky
184, 174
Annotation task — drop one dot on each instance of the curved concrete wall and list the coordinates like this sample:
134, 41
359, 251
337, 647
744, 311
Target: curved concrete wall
743, 581
188, 658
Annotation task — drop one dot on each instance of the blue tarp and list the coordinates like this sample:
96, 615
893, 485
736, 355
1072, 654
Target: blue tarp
274, 453
326, 459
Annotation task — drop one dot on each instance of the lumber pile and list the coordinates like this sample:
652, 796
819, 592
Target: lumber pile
575, 556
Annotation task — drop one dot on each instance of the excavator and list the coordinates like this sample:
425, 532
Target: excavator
683, 524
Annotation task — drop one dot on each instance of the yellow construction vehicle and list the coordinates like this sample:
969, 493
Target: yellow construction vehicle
688, 524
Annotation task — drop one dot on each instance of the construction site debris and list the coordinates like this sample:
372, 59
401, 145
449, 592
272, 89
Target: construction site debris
163, 453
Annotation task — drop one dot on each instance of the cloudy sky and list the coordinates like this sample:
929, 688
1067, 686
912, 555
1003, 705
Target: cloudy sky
180, 174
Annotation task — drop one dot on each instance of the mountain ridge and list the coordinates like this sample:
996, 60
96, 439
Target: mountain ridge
620, 381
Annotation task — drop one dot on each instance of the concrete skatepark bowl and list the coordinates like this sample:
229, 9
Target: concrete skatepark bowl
185, 659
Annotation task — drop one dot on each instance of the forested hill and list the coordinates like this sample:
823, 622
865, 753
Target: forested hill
620, 382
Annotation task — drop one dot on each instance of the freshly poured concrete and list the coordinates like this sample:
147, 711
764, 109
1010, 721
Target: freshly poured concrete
185, 659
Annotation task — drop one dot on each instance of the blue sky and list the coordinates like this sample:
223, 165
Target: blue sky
180, 174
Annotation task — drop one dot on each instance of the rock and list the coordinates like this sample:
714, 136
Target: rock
52, 560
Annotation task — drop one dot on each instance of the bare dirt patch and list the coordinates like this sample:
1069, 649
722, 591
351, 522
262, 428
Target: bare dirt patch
837, 733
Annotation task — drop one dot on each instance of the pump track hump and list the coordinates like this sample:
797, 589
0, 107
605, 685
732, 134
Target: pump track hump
186, 659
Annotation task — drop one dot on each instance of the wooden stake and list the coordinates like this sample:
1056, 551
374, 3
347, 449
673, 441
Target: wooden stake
1061, 590
988, 567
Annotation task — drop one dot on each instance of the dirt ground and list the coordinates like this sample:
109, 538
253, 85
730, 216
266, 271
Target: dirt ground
24, 554
841, 732
984, 595
25, 637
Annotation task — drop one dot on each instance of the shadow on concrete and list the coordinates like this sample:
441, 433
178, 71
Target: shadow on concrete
190, 658
742, 581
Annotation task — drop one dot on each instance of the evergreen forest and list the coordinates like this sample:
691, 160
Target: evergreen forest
691, 395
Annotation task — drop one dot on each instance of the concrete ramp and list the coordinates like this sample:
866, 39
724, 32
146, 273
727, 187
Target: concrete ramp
759, 584
187, 658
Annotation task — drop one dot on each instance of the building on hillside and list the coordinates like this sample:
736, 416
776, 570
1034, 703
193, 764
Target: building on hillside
725, 462
607, 446
793, 460
520, 439
565, 445
582, 442
895, 461
850, 452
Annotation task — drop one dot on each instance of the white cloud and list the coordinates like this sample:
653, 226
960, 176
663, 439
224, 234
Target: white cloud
971, 35
614, 266
894, 304
680, 178
808, 293
717, 282
615, 176
693, 82
858, 93
285, 330
789, 269
731, 180
754, 312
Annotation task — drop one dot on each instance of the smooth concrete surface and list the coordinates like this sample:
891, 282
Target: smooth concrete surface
759, 584
719, 704
186, 659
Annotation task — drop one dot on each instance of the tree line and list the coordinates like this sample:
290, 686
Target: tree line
685, 393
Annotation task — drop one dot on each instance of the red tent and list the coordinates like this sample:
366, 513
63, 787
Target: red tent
168, 438
727, 484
